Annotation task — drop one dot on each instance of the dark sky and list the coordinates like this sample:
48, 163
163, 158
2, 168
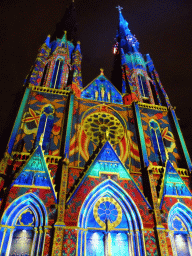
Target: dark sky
163, 28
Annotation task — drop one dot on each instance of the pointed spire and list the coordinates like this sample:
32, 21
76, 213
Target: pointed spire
64, 38
78, 48
47, 41
122, 21
68, 23
102, 71
126, 39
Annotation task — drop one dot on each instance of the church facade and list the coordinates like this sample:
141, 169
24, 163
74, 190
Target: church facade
91, 170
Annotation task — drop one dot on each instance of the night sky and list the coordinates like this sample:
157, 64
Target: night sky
163, 28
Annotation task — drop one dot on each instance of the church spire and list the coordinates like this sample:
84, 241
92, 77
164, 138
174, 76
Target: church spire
126, 39
68, 23
135, 81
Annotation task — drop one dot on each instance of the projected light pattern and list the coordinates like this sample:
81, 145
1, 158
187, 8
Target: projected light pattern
102, 126
107, 211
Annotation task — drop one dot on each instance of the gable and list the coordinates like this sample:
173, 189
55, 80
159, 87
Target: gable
173, 184
101, 89
107, 161
35, 173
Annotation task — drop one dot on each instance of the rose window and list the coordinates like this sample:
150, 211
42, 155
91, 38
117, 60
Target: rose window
107, 210
103, 126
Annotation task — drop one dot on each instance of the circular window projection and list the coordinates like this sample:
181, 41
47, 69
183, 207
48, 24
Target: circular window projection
107, 210
102, 126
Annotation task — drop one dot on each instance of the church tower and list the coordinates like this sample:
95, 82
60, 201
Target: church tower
92, 170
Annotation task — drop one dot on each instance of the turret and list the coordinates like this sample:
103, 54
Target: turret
76, 67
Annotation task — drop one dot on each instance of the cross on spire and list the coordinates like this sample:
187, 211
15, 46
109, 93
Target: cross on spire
119, 8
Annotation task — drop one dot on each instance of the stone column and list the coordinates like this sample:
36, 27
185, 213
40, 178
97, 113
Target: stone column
60, 225
33, 253
189, 241
10, 240
3, 238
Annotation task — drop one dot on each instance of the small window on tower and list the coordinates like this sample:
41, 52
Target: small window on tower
143, 88
157, 142
57, 74
44, 76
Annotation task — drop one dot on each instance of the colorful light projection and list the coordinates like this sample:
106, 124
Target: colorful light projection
179, 222
22, 223
113, 222
157, 142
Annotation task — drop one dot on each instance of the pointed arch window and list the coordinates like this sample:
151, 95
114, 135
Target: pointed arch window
57, 74
111, 221
45, 127
180, 218
143, 86
157, 142
45, 73
24, 220
23, 235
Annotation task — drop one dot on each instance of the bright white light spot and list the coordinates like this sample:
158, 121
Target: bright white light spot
95, 240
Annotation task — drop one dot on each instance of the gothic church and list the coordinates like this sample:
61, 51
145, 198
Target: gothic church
91, 170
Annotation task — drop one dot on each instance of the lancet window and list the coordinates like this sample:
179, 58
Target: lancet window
57, 74
180, 226
23, 225
157, 142
23, 235
45, 73
45, 127
143, 86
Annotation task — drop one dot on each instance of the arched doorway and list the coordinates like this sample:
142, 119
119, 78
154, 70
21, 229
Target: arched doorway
110, 223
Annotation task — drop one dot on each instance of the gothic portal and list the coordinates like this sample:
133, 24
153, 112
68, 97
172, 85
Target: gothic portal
91, 170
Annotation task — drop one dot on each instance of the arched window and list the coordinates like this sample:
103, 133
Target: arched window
24, 220
143, 86
157, 142
180, 219
23, 235
57, 74
113, 223
45, 73
45, 127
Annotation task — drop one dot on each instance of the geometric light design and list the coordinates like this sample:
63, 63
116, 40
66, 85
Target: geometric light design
178, 224
103, 126
26, 218
107, 211
48, 110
